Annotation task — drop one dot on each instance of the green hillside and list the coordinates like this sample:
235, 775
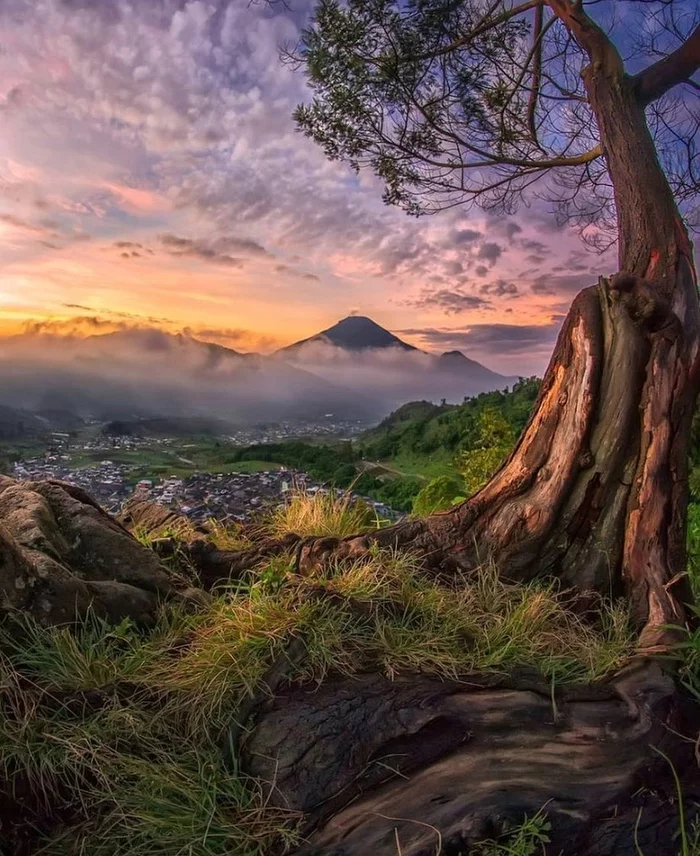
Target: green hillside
413, 446
420, 430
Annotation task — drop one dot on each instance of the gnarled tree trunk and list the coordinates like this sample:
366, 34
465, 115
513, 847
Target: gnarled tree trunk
595, 491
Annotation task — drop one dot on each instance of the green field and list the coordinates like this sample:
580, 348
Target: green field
180, 459
427, 467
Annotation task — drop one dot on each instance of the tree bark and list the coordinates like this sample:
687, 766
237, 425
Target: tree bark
438, 766
595, 492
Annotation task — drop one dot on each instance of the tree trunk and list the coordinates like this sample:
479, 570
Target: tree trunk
595, 492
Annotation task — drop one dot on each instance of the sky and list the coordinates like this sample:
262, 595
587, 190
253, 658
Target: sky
151, 174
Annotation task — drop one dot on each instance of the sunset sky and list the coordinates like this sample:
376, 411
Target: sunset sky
151, 174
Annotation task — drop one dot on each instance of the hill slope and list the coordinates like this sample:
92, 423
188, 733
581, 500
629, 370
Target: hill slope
20, 425
422, 429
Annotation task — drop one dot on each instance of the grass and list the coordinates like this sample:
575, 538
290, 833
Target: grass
688, 833
119, 729
119, 762
429, 466
381, 615
688, 651
689, 647
323, 514
526, 839
156, 460
227, 535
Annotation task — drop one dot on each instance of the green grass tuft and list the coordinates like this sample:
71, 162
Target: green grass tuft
525, 839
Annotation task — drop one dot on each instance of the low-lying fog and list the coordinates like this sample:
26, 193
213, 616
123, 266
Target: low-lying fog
140, 372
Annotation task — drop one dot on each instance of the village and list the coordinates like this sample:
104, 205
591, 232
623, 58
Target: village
129, 436
200, 496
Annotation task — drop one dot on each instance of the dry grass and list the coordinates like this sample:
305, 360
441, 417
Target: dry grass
227, 535
323, 514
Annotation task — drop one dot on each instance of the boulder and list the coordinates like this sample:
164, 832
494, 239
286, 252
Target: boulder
157, 521
61, 554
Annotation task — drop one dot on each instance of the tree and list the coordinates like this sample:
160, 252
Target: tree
459, 101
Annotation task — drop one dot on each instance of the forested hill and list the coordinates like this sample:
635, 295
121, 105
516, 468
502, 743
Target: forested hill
422, 429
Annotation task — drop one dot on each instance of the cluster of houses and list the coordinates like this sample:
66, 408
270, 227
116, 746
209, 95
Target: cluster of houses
200, 496
107, 481
278, 432
237, 496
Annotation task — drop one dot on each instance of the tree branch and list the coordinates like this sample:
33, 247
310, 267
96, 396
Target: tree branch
536, 73
587, 33
481, 28
673, 69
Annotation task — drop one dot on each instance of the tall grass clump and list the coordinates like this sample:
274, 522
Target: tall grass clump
331, 513
381, 614
117, 770
227, 535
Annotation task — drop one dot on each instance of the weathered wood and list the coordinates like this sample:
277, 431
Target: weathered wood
420, 762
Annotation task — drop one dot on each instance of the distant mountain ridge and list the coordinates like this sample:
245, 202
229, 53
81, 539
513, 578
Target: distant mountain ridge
451, 375
20, 424
148, 373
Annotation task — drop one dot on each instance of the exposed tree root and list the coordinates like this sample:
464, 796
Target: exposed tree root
374, 761
213, 565
279, 671
173, 535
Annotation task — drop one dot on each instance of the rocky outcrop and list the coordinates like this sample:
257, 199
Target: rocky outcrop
61, 554
157, 521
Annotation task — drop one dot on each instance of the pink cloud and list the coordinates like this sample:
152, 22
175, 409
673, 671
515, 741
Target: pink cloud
136, 200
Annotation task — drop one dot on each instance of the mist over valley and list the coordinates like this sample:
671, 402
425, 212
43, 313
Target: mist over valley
355, 370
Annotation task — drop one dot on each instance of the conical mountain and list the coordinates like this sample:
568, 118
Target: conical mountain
354, 333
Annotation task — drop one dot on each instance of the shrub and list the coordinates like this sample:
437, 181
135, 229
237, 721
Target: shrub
477, 467
438, 495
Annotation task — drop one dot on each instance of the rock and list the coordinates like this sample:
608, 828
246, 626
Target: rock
416, 766
61, 554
